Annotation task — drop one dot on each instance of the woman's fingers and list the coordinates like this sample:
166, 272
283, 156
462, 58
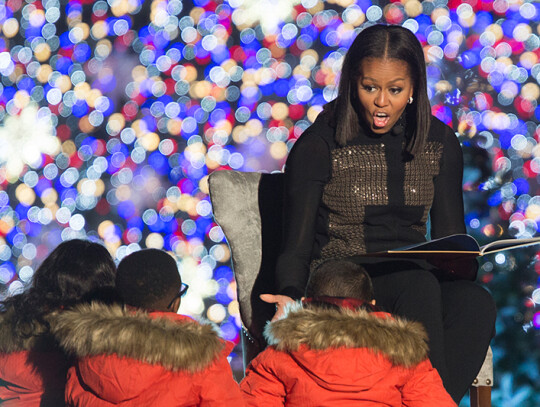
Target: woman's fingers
280, 300
270, 298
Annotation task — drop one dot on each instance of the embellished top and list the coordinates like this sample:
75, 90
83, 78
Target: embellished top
365, 197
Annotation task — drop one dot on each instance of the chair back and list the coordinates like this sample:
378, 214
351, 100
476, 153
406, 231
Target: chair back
248, 207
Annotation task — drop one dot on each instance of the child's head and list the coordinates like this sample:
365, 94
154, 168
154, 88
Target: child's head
149, 279
76, 270
340, 278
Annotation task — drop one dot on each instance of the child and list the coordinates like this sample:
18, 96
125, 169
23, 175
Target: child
32, 366
337, 350
145, 354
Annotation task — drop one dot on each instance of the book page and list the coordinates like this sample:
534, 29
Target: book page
455, 246
506, 244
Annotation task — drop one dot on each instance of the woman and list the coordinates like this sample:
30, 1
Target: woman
32, 368
365, 177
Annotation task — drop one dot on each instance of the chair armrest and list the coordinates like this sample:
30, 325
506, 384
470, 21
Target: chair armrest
485, 375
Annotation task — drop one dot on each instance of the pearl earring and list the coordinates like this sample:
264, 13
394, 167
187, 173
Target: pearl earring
410, 100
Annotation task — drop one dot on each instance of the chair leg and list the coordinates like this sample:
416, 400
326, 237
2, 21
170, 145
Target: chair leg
480, 396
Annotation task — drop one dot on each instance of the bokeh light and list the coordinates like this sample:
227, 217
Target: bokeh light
112, 115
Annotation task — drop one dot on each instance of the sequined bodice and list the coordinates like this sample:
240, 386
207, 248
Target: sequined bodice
374, 197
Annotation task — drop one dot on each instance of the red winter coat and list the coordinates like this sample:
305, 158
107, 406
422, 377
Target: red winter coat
343, 358
32, 370
138, 359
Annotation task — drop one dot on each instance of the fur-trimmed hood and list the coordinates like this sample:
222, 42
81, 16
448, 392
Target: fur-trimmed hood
402, 342
127, 358
10, 342
173, 341
343, 357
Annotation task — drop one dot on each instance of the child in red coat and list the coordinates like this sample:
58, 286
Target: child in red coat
337, 349
32, 365
145, 354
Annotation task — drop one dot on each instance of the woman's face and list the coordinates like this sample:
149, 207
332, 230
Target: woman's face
384, 88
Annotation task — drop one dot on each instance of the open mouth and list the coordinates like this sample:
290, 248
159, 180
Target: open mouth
380, 119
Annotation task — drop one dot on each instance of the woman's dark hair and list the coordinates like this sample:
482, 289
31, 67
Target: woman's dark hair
75, 271
386, 42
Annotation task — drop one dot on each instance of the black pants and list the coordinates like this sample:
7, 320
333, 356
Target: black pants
459, 317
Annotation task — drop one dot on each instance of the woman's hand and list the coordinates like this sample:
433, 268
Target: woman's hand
279, 300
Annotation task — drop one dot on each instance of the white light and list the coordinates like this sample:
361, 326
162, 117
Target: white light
24, 138
255, 12
45, 216
29, 251
26, 273
191, 304
63, 215
5, 60
102, 104
5, 252
204, 208
77, 222
536, 296
15, 288
500, 258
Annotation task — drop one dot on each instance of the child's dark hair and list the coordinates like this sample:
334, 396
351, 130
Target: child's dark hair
76, 271
340, 278
147, 277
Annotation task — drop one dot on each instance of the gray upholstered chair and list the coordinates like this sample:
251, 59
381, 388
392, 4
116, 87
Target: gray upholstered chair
248, 206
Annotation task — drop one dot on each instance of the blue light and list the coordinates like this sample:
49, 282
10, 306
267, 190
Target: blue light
522, 186
281, 87
229, 331
126, 209
483, 19
8, 93
80, 108
220, 54
42, 185
159, 162
65, 42
82, 52
469, 59
26, 83
158, 226
22, 210
224, 272
495, 199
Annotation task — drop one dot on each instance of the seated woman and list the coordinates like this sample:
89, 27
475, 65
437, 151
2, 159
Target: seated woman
32, 368
366, 177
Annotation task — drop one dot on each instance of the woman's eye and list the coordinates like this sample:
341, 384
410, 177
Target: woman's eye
395, 91
369, 88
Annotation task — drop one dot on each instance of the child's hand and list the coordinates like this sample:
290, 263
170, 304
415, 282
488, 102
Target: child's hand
279, 300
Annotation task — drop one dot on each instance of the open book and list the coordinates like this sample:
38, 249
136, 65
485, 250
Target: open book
455, 254
461, 245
